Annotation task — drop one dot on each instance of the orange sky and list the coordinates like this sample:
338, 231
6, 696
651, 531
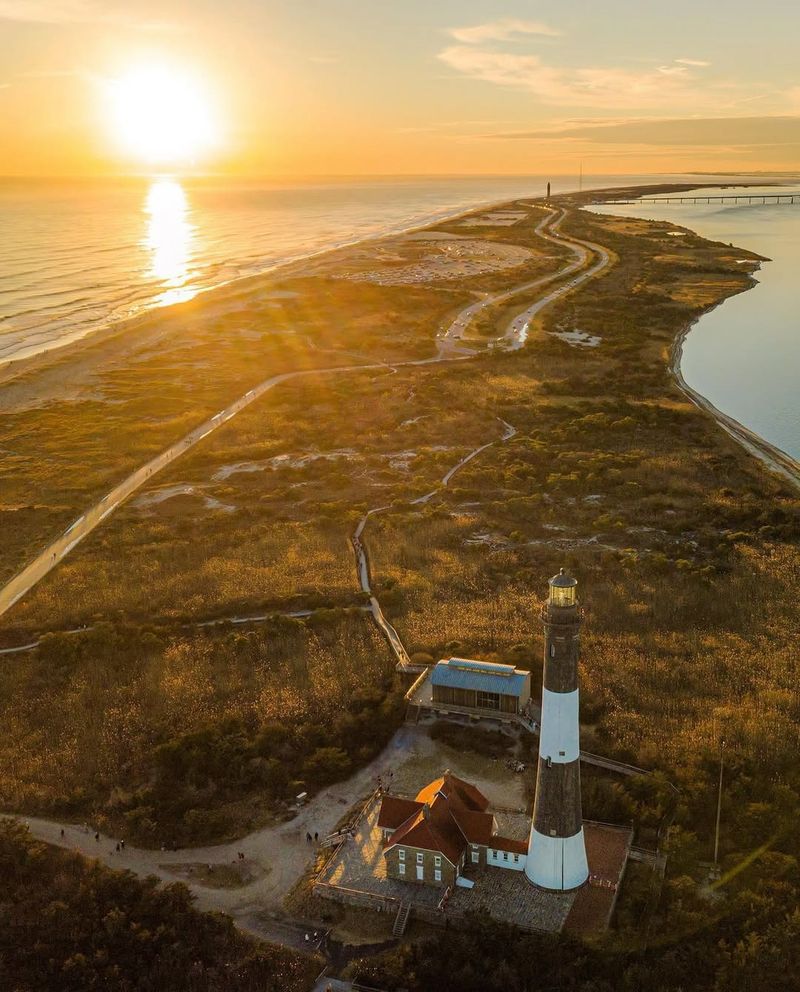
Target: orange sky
355, 87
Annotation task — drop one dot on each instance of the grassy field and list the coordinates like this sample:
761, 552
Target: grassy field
685, 548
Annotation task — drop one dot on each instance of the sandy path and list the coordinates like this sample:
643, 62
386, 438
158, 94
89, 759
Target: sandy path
280, 852
55, 552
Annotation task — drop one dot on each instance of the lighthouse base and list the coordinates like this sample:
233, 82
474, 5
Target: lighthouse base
557, 863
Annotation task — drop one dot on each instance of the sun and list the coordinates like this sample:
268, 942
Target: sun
161, 116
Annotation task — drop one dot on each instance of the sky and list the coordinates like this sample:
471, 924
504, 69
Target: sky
366, 87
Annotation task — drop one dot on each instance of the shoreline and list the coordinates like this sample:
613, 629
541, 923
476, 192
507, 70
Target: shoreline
64, 347
774, 458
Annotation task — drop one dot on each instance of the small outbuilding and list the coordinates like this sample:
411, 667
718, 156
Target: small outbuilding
480, 686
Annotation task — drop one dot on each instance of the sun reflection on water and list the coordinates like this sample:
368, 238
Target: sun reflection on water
168, 238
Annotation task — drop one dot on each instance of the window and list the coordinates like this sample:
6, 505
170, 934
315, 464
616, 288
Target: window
488, 700
437, 861
402, 869
401, 853
419, 857
516, 859
475, 857
505, 855
437, 876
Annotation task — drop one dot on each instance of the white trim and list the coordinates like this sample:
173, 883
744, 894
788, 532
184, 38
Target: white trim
557, 863
559, 735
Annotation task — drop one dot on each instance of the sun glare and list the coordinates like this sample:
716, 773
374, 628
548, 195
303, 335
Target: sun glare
161, 116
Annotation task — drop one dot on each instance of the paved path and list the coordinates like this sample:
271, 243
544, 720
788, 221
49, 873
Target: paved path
55, 552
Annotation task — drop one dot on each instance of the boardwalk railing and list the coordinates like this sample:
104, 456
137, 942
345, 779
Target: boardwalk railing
786, 198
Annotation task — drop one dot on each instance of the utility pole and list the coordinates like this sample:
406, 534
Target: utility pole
719, 801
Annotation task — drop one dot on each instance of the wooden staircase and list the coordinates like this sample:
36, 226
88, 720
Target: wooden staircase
401, 920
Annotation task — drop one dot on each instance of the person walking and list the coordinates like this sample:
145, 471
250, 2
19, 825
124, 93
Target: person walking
97, 835
316, 837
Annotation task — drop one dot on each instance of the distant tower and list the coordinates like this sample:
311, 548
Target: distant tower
548, 192
556, 850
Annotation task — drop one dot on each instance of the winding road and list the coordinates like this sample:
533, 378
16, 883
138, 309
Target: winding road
278, 855
55, 552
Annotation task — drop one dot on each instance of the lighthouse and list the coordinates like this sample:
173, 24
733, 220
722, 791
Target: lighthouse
556, 850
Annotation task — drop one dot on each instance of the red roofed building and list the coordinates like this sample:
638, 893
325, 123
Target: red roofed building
431, 838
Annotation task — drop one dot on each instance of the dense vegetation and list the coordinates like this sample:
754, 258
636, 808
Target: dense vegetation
685, 547
753, 946
69, 925
177, 738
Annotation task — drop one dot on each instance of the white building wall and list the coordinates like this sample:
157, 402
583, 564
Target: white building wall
557, 862
560, 727
495, 858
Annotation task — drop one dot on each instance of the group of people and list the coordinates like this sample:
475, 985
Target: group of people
315, 838
385, 783
120, 846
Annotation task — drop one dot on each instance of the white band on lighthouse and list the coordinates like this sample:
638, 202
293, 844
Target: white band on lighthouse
559, 736
557, 862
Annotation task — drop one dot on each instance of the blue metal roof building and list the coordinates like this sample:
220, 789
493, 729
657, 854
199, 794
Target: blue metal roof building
480, 685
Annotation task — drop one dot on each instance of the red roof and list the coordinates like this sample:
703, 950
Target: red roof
446, 816
476, 827
509, 844
432, 829
456, 790
395, 811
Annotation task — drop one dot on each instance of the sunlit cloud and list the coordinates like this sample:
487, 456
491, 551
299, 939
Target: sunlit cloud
603, 87
708, 132
697, 63
82, 12
502, 30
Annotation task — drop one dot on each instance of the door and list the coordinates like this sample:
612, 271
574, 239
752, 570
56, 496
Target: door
420, 873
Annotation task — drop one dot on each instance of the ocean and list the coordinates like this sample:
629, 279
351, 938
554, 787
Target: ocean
76, 256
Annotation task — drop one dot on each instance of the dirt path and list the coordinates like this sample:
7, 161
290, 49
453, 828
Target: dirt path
280, 854
55, 552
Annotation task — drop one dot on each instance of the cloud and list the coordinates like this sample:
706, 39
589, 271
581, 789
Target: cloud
503, 30
604, 87
674, 132
81, 12
697, 63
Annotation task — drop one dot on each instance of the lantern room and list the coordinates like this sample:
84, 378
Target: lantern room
563, 590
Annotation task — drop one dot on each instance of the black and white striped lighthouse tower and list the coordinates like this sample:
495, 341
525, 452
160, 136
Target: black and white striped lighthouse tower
556, 850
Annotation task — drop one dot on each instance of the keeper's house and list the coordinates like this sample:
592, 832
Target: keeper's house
481, 686
448, 826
